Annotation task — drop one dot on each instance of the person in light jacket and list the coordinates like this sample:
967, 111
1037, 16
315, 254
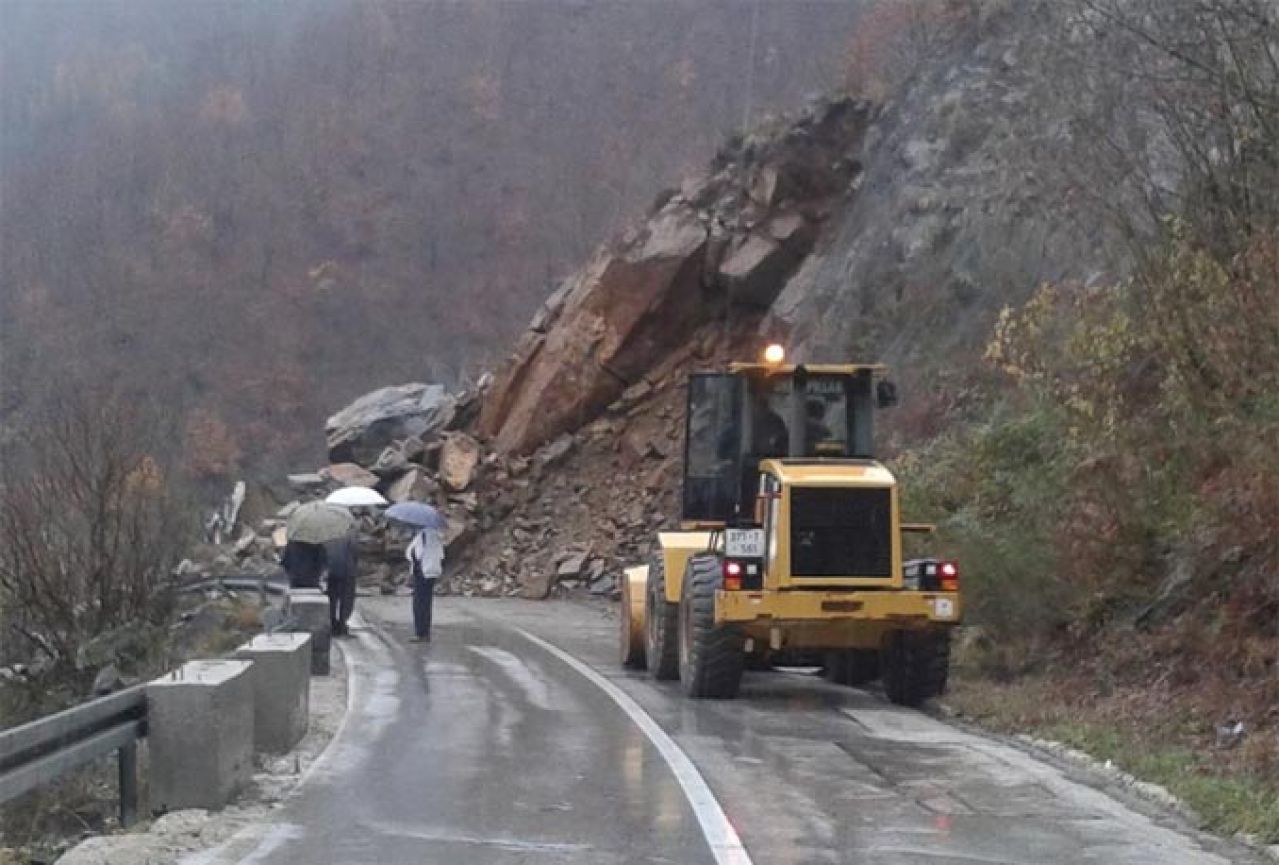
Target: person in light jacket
426, 558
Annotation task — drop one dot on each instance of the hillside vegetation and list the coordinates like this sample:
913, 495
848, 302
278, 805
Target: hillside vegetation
1112, 481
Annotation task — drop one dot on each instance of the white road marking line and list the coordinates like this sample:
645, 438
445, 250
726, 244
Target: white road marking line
726, 847
514, 845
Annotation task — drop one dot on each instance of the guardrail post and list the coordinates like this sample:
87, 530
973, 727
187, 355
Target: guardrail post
199, 735
309, 610
128, 766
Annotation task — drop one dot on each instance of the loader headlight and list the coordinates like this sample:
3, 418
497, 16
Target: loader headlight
774, 354
732, 576
949, 573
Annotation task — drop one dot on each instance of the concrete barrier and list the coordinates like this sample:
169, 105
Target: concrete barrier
281, 677
200, 734
309, 611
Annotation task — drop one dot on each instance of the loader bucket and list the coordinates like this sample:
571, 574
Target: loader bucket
631, 619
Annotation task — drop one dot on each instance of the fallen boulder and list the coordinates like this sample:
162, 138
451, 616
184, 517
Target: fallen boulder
627, 307
537, 586
458, 459
413, 486
361, 431
309, 482
349, 475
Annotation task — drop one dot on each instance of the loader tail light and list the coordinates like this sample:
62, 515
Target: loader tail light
732, 576
949, 574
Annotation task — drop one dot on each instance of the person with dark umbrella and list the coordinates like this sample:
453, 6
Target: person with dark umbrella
343, 560
304, 563
310, 527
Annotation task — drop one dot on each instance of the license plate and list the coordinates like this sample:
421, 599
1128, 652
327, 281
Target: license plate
744, 543
943, 608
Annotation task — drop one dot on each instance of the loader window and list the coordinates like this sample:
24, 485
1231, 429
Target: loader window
825, 417
713, 444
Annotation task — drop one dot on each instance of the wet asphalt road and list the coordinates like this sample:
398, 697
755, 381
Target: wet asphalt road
486, 748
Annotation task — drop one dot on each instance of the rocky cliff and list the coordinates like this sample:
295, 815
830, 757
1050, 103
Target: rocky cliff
856, 230
722, 245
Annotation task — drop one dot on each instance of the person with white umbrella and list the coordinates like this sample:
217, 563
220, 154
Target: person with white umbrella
342, 557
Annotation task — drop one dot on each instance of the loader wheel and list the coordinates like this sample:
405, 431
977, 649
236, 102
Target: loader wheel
711, 657
916, 665
852, 667
661, 625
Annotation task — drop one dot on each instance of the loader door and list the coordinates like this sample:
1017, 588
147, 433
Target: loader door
712, 447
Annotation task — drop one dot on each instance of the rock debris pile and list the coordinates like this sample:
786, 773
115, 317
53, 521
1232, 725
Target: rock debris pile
406, 442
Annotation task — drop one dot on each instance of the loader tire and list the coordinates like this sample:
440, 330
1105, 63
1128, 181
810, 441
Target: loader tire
916, 665
711, 657
852, 667
661, 625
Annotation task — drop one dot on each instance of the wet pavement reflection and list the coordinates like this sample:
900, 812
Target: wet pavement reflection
483, 747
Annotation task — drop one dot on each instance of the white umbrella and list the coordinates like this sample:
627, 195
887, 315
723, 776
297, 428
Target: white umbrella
356, 497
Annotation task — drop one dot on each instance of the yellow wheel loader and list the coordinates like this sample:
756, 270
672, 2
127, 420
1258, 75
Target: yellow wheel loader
790, 546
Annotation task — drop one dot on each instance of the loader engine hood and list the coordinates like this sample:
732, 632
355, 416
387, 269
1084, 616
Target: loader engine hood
831, 522
830, 472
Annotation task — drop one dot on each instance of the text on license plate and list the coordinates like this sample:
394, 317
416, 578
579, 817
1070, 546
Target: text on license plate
744, 543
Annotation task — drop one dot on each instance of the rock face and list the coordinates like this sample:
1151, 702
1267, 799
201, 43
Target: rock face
360, 432
959, 210
729, 238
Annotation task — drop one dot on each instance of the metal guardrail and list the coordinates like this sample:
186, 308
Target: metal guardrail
43, 750
40, 752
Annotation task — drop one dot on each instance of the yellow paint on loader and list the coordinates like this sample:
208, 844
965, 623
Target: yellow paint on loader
677, 549
634, 581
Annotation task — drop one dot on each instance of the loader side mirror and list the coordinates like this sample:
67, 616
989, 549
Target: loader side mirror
885, 393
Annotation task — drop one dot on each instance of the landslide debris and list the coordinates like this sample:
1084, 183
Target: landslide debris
404, 441
557, 471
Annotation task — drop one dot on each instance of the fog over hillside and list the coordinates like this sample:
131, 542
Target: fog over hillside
254, 212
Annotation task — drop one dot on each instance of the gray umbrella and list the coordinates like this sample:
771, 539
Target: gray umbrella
423, 516
320, 522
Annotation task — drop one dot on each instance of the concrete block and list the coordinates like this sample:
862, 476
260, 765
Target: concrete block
281, 688
200, 734
308, 609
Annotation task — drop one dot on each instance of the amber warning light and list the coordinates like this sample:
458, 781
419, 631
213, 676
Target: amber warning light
774, 354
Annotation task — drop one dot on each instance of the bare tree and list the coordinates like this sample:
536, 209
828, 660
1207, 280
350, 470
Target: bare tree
1175, 109
90, 528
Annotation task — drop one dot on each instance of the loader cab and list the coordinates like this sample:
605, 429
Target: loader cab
753, 412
